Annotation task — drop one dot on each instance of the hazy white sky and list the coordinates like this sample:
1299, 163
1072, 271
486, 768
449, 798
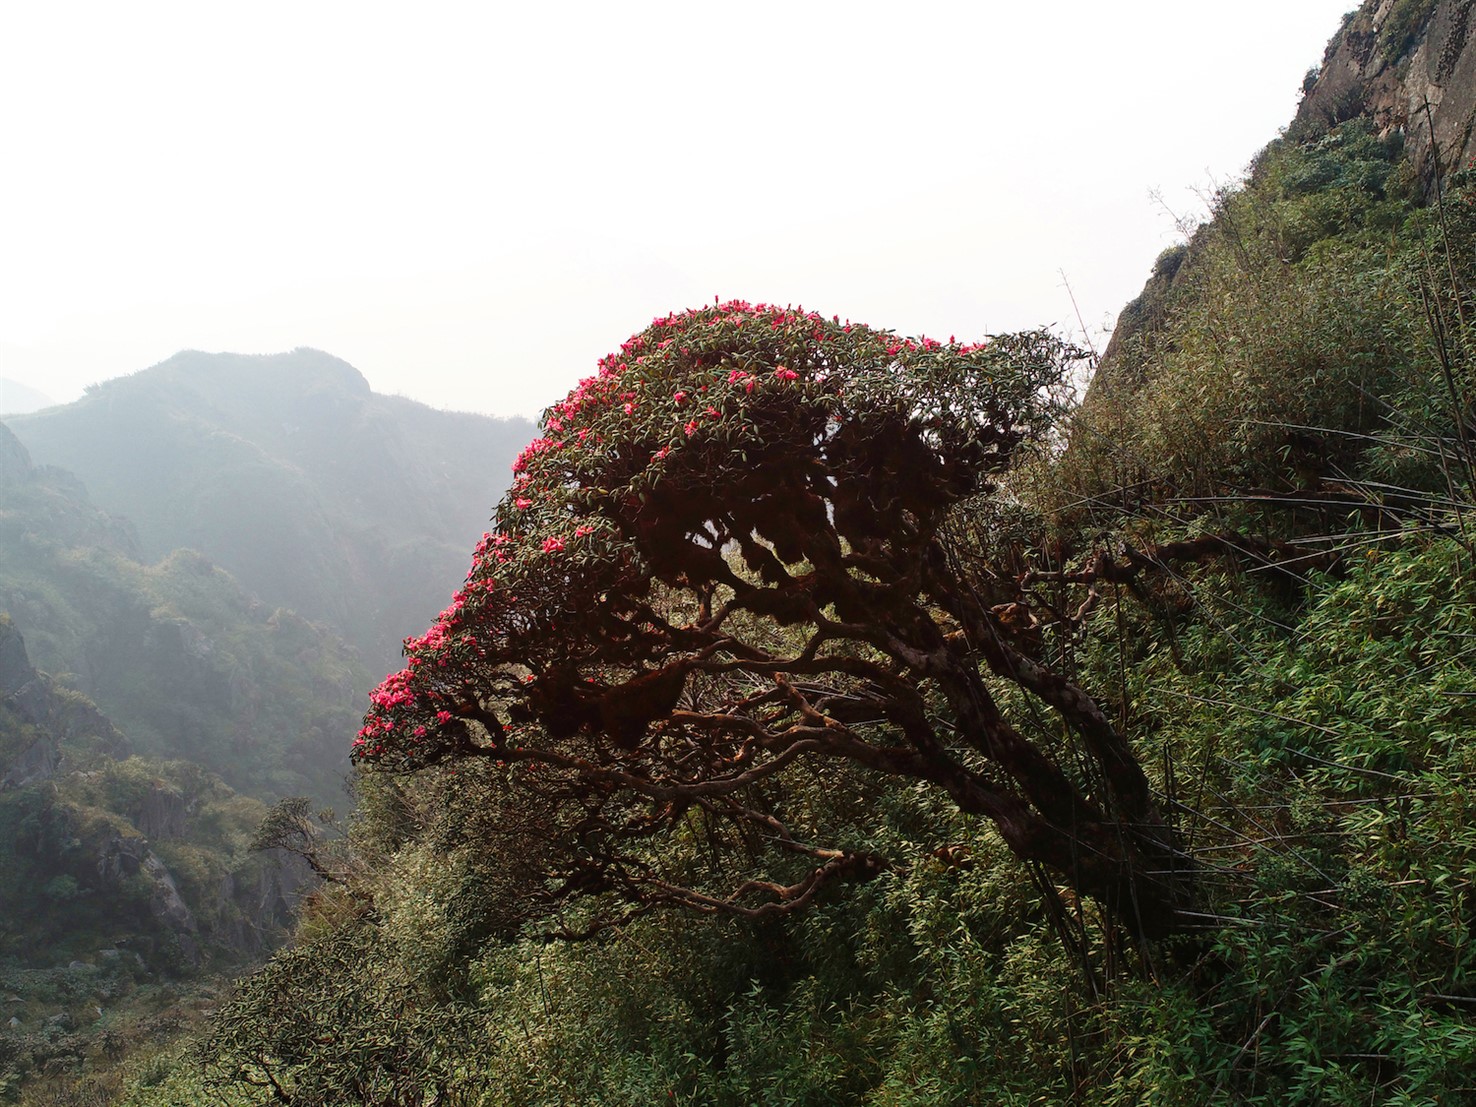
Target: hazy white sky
473, 202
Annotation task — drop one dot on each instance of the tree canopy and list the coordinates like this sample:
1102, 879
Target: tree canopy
727, 558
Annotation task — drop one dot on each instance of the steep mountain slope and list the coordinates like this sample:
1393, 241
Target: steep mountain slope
176, 653
118, 876
317, 493
1388, 62
84, 816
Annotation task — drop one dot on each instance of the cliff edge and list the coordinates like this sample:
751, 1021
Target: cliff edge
1409, 66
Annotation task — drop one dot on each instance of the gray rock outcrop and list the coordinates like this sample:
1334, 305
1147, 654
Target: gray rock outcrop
1390, 60
31, 699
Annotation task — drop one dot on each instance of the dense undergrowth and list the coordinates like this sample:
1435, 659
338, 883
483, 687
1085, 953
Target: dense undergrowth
130, 890
1309, 726
1325, 773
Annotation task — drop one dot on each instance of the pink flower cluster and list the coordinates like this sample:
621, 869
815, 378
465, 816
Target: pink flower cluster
533, 449
499, 546
688, 356
394, 691
433, 639
394, 695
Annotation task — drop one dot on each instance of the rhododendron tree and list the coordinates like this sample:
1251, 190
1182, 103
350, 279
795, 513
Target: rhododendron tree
727, 561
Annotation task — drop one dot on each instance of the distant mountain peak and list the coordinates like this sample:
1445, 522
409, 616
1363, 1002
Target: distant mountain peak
17, 398
301, 371
282, 468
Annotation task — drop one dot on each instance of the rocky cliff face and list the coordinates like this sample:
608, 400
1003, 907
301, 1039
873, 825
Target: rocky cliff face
38, 719
1408, 65
93, 846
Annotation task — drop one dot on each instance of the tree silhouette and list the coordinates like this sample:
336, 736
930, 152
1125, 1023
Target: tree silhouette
730, 559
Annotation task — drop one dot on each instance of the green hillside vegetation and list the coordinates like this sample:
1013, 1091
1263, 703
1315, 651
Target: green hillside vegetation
72, 875
1253, 542
1299, 379
283, 470
1294, 356
128, 886
176, 653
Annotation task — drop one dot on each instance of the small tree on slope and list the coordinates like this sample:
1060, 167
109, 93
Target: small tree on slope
726, 561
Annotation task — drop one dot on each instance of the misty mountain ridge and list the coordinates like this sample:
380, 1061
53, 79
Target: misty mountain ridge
19, 399
317, 493
187, 663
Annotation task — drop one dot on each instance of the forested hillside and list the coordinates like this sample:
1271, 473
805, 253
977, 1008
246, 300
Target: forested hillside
130, 873
318, 495
185, 662
126, 882
169, 704
833, 717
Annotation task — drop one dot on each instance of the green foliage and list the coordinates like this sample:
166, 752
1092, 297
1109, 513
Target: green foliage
1345, 785
61, 889
1312, 735
340, 1020
1324, 767
1279, 347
